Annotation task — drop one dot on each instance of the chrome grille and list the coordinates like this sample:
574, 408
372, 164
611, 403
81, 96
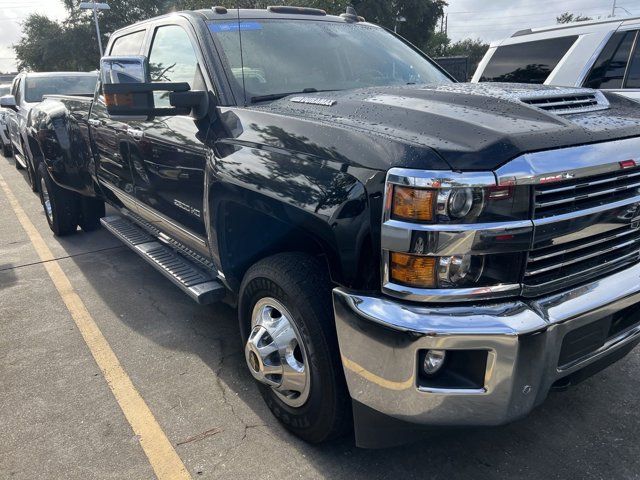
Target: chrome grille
572, 262
579, 194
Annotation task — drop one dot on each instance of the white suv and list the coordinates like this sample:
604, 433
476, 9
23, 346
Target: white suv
602, 54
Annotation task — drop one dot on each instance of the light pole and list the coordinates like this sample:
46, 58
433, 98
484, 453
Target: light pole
93, 5
615, 7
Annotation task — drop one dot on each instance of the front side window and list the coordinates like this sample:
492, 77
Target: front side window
633, 75
290, 56
173, 59
130, 44
611, 65
36, 87
529, 62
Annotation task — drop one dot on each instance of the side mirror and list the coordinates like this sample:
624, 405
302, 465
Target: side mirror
9, 101
128, 91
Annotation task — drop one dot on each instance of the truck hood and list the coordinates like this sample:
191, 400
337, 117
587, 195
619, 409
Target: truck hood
471, 126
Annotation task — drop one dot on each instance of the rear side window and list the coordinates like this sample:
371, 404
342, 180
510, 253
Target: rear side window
130, 44
633, 76
530, 62
610, 67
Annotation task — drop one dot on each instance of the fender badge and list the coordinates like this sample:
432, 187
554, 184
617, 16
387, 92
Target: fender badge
327, 102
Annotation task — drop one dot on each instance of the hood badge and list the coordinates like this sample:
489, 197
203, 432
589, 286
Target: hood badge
326, 102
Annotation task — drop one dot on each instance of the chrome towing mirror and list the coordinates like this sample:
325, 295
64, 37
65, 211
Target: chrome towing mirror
128, 91
9, 101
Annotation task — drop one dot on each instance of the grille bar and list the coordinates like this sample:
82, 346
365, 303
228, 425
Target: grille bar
588, 272
583, 193
586, 196
557, 266
533, 258
585, 184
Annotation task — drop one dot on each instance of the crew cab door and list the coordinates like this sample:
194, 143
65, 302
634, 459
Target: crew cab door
167, 153
111, 136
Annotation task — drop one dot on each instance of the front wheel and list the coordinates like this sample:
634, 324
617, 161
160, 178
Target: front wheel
61, 207
291, 346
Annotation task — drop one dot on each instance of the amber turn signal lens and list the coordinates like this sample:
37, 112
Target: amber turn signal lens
118, 99
413, 203
413, 270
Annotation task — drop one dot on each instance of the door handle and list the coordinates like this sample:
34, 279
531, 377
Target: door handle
135, 133
95, 123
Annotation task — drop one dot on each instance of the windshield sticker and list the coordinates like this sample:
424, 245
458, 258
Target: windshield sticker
220, 27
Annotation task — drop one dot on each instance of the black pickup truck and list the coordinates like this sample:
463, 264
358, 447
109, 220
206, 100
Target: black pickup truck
404, 251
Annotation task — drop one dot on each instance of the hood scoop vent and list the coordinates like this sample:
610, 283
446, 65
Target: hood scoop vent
568, 104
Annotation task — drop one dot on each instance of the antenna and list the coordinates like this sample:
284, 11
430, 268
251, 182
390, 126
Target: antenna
244, 88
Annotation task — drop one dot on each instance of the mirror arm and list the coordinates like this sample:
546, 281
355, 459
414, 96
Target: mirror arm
196, 101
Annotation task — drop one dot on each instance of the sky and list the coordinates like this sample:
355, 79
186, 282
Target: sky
492, 20
488, 20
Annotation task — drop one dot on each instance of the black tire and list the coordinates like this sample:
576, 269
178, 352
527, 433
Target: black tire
7, 151
91, 211
302, 285
65, 205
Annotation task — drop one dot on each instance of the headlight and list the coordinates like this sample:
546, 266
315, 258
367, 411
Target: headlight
448, 235
458, 204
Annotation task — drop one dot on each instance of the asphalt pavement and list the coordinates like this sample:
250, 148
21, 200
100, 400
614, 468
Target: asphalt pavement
60, 419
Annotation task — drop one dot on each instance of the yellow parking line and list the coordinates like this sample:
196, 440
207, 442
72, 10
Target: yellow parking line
162, 456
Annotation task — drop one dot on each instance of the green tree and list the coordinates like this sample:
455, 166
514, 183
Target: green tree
473, 49
40, 44
568, 17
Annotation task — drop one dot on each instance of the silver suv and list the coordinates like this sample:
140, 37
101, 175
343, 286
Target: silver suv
602, 54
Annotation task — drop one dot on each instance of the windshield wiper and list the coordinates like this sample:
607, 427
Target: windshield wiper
278, 96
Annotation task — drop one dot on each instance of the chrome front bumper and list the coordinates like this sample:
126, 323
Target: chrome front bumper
380, 339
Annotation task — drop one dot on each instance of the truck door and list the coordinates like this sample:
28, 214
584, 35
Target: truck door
110, 137
169, 156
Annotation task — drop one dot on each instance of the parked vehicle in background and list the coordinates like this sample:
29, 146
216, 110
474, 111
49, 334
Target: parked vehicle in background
27, 90
403, 250
5, 89
603, 54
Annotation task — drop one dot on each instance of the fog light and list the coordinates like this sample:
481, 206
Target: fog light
433, 361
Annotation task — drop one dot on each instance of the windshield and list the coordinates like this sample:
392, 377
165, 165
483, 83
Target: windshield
5, 90
37, 87
288, 56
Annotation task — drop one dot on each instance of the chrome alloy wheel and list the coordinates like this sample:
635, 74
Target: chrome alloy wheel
46, 201
275, 353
